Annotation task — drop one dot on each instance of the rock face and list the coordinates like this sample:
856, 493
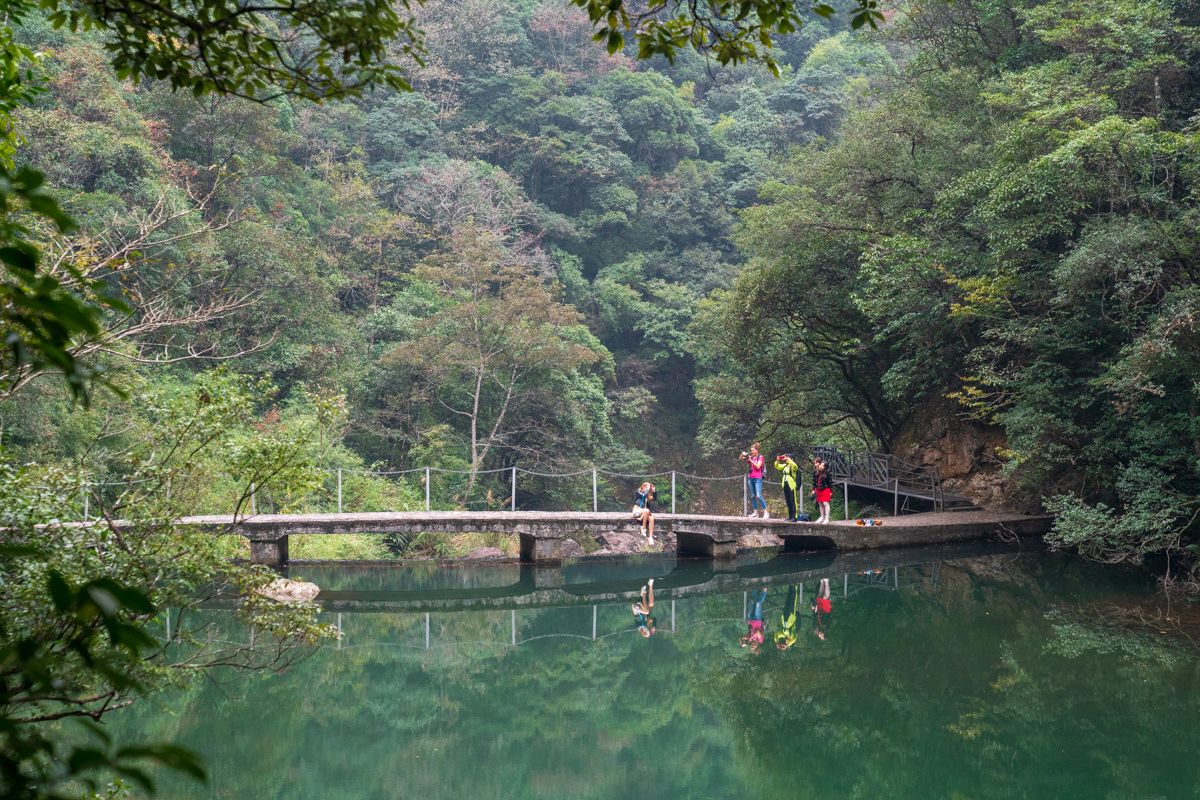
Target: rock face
763, 539
615, 543
486, 552
285, 590
968, 455
571, 548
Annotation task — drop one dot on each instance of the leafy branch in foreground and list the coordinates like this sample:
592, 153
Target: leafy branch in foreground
32, 762
731, 31
41, 317
80, 599
312, 49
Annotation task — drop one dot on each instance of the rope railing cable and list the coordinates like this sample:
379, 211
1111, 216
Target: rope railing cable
633, 477
373, 472
468, 472
550, 474
712, 478
524, 471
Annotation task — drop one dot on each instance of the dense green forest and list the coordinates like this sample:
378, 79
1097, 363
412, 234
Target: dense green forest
973, 218
965, 235
501, 267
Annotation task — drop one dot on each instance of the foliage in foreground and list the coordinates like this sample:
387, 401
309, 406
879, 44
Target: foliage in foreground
82, 603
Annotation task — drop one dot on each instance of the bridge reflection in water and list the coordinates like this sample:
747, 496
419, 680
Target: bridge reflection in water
604, 583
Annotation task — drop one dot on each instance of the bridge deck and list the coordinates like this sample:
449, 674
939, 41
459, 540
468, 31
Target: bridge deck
542, 532
556, 524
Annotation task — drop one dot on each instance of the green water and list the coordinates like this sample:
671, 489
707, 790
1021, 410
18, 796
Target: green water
994, 676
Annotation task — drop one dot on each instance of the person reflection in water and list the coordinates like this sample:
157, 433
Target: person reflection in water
754, 632
641, 610
785, 637
822, 607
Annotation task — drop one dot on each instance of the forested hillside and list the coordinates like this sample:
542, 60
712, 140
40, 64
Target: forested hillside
966, 237
244, 251
498, 268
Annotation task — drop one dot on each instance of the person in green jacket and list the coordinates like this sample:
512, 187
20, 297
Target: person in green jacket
791, 483
785, 637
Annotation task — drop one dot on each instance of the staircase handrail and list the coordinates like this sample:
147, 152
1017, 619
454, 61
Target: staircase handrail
882, 470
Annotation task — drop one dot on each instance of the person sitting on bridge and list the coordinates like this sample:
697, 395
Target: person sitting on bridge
643, 508
641, 611
785, 637
790, 481
822, 607
755, 633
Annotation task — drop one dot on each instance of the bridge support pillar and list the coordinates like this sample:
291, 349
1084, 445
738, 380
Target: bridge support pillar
272, 552
540, 549
692, 544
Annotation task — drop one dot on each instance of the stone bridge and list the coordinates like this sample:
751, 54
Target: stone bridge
542, 533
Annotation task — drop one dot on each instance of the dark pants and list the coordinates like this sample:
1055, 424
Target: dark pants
789, 497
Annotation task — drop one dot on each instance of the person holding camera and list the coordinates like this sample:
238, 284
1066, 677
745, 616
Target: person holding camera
791, 483
643, 508
754, 478
822, 488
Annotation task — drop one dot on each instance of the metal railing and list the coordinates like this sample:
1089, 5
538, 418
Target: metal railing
880, 471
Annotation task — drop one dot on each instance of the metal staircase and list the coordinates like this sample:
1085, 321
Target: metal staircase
886, 473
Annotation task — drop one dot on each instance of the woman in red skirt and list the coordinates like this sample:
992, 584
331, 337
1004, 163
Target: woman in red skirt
822, 488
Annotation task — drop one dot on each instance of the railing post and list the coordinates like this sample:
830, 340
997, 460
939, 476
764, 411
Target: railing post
672, 492
513, 506
846, 499
253, 500
595, 496
745, 509
339, 490
85, 504
427, 488
895, 497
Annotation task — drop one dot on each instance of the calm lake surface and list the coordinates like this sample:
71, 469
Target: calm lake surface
944, 674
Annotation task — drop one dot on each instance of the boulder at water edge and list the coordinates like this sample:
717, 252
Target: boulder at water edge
486, 552
617, 543
285, 590
760, 539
